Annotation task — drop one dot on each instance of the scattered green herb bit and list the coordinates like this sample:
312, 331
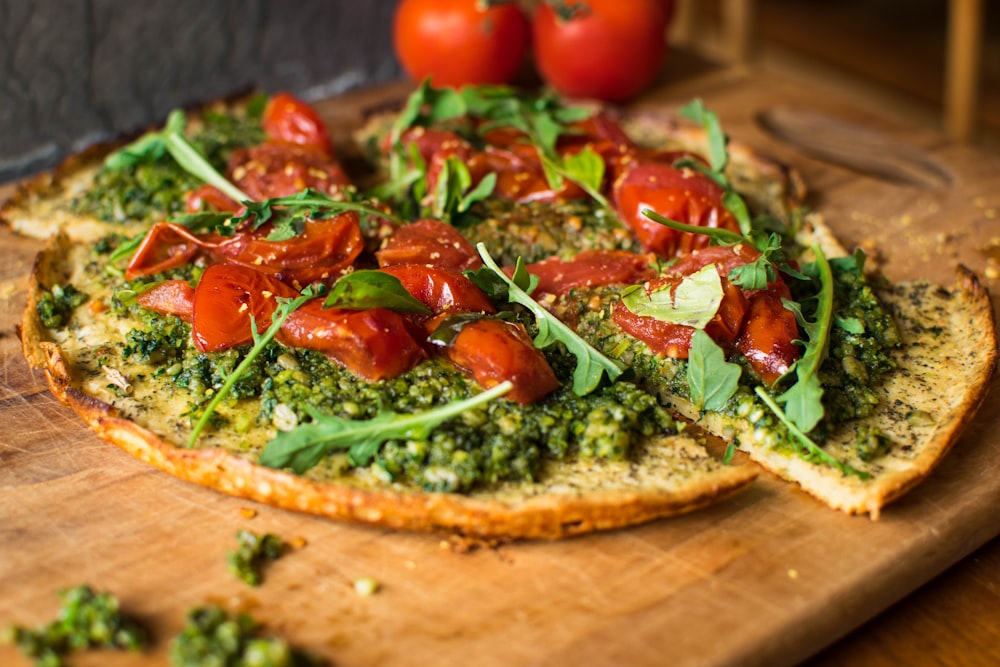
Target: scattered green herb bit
871, 443
361, 290
803, 401
57, 304
366, 586
850, 324
454, 194
288, 215
285, 308
86, 620
213, 637
696, 111
304, 446
809, 449
591, 365
253, 553
693, 303
712, 380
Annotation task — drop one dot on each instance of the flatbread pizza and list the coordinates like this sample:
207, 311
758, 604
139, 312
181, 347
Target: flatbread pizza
510, 317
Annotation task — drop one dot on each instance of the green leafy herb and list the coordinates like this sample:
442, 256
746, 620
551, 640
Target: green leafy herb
305, 446
810, 449
718, 154
712, 380
253, 552
288, 215
366, 289
803, 401
591, 365
715, 234
286, 306
171, 140
56, 305
86, 620
453, 193
693, 303
213, 637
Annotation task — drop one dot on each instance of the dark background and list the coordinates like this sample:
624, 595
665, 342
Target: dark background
76, 72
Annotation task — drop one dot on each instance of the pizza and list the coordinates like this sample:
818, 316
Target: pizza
492, 313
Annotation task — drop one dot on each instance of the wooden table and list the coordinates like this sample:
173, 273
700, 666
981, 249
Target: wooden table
767, 578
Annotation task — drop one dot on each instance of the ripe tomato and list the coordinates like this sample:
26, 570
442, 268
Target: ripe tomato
441, 289
495, 350
459, 42
609, 50
431, 243
766, 339
170, 297
289, 119
165, 246
591, 268
281, 169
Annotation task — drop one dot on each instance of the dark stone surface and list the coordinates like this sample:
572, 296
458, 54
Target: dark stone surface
75, 72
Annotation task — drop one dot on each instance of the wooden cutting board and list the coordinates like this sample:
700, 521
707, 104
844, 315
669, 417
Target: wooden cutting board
766, 578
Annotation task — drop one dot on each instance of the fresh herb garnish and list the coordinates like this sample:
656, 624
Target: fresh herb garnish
693, 303
712, 380
810, 449
591, 365
253, 552
171, 140
361, 290
454, 193
286, 306
288, 215
305, 446
86, 620
803, 400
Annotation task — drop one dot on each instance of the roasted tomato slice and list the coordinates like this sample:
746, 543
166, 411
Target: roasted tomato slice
767, 335
280, 169
674, 340
591, 268
493, 351
683, 195
287, 118
441, 289
226, 298
429, 242
725, 258
376, 344
321, 253
165, 246
170, 297
209, 197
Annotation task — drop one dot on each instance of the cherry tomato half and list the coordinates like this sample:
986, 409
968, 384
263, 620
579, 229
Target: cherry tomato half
441, 289
287, 118
460, 42
429, 242
591, 268
608, 49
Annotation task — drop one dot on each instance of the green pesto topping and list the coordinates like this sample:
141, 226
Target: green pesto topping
56, 305
214, 637
86, 620
155, 188
253, 552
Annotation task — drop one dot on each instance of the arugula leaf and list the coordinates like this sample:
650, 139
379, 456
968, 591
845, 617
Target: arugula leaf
718, 154
811, 450
453, 193
288, 215
305, 446
361, 290
286, 306
171, 140
715, 234
693, 303
591, 365
712, 380
803, 400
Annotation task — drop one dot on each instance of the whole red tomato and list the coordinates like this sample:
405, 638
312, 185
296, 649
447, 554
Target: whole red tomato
459, 42
606, 49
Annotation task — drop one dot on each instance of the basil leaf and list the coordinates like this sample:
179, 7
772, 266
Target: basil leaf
711, 379
361, 290
693, 303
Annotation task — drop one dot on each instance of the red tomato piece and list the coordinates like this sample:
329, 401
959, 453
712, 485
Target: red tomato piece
460, 42
287, 118
608, 50
591, 268
441, 289
493, 351
767, 335
725, 258
429, 242
682, 195
376, 344
166, 246
674, 340
278, 169
321, 253
209, 197
226, 298
170, 297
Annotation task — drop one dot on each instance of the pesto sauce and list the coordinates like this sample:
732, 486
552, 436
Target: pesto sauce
157, 187
55, 306
213, 637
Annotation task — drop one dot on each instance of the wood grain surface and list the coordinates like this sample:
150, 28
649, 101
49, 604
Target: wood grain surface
769, 577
